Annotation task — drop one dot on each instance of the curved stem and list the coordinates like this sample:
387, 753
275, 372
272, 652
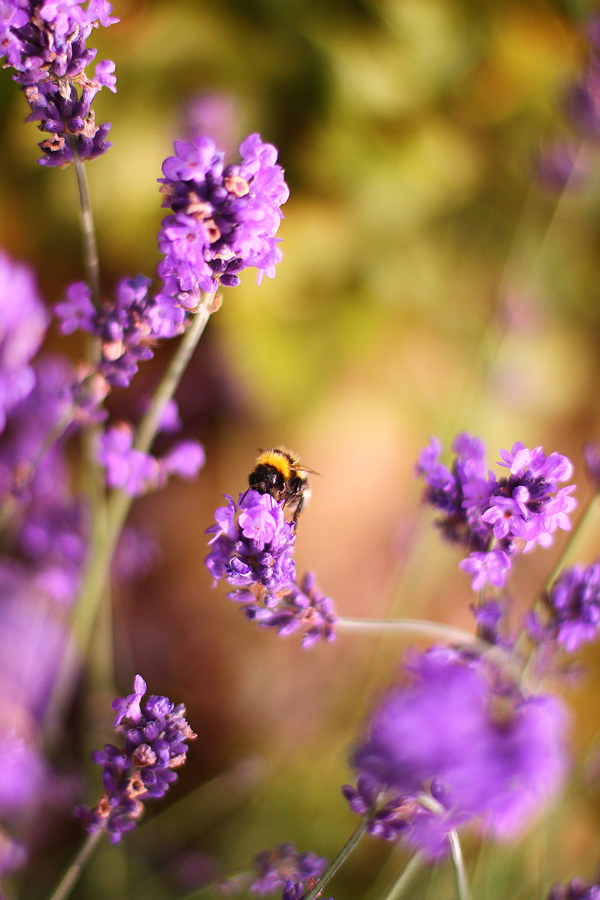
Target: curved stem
75, 869
401, 883
337, 862
92, 259
460, 875
421, 627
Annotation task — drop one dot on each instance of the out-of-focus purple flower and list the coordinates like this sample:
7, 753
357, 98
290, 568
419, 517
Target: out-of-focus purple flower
274, 868
45, 42
488, 514
257, 550
213, 115
560, 165
486, 568
126, 328
458, 732
13, 855
137, 473
488, 616
224, 218
573, 609
576, 889
136, 553
24, 322
156, 743
591, 455
128, 469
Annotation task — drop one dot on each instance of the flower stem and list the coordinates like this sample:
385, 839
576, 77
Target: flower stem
92, 260
72, 874
411, 626
108, 526
460, 876
337, 862
404, 878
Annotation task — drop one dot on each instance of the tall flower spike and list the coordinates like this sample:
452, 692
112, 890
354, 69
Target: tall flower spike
45, 42
156, 736
458, 735
491, 516
224, 218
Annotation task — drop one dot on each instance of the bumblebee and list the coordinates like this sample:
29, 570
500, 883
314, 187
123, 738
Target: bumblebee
278, 472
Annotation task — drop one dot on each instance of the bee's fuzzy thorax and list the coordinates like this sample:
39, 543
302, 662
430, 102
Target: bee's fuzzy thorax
280, 458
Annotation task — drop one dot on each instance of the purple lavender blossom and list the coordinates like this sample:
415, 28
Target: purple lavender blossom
275, 868
257, 550
489, 515
299, 606
457, 732
224, 218
576, 889
127, 327
156, 736
572, 607
137, 473
24, 322
45, 43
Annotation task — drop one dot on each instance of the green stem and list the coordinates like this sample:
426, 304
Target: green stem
337, 862
460, 875
119, 503
75, 869
405, 877
412, 626
91, 257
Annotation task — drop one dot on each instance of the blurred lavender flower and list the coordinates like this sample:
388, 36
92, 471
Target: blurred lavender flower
213, 115
224, 218
559, 165
275, 868
127, 328
488, 515
457, 732
573, 609
576, 889
13, 855
156, 739
24, 322
137, 473
591, 455
45, 43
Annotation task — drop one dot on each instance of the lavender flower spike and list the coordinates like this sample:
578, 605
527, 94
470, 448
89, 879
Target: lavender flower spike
156, 735
457, 731
45, 43
223, 218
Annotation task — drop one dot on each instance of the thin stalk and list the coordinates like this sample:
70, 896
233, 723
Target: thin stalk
420, 627
405, 877
119, 503
458, 865
91, 257
337, 862
75, 869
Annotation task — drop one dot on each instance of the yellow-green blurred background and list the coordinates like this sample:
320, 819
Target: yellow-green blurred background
428, 286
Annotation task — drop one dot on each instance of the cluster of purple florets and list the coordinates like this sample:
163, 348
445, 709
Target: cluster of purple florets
571, 614
576, 889
255, 555
137, 473
456, 741
224, 218
156, 743
45, 43
287, 868
127, 328
493, 516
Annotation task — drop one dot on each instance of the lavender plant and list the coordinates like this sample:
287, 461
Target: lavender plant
472, 737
